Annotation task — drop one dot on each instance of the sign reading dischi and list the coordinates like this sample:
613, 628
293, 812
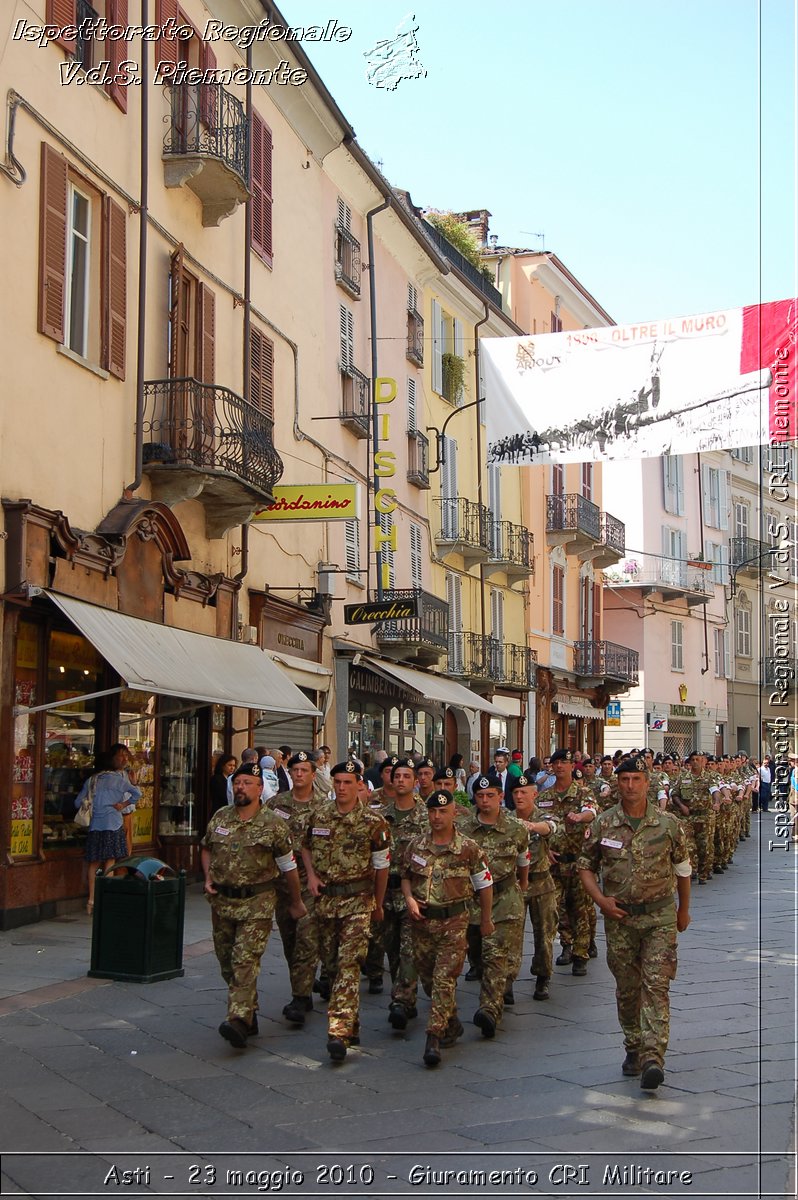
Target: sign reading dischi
380, 610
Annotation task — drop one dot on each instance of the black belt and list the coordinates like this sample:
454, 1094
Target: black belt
440, 913
566, 858
394, 880
640, 910
243, 893
501, 885
355, 887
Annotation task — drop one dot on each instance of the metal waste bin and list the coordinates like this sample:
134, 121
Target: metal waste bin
137, 932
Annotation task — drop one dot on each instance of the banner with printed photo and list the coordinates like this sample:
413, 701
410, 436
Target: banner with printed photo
677, 386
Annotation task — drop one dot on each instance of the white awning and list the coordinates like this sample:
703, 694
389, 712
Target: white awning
192, 666
303, 672
574, 707
510, 705
433, 687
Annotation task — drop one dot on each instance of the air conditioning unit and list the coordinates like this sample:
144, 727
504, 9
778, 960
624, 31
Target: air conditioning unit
248, 634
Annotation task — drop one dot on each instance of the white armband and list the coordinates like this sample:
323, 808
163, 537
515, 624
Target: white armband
286, 862
523, 859
683, 869
553, 826
482, 880
589, 806
381, 859
662, 794
714, 788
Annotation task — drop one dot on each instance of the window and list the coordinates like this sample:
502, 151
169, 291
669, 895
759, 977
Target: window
261, 359
556, 323
587, 480
192, 324
742, 625
450, 524
456, 638
557, 479
743, 454
347, 334
495, 506
82, 266
347, 252
673, 484
497, 634
412, 418
89, 51
715, 497
677, 646
416, 566
722, 665
741, 515
261, 185
718, 554
558, 601
415, 328
437, 347
448, 355
352, 550
674, 555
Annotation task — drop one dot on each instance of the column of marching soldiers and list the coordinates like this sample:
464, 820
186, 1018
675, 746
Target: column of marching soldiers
412, 871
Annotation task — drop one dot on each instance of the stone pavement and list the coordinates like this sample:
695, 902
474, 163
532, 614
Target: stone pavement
137, 1075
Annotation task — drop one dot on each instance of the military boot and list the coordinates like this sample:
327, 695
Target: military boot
432, 1050
565, 958
541, 991
295, 1010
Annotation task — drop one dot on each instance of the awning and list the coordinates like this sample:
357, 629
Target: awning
433, 687
303, 672
174, 662
574, 707
510, 705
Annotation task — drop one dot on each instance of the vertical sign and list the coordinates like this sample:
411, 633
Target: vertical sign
384, 467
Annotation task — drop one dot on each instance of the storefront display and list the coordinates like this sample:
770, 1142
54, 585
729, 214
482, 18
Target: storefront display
383, 715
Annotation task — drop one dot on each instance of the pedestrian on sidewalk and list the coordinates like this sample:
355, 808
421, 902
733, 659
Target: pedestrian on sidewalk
244, 850
114, 795
640, 853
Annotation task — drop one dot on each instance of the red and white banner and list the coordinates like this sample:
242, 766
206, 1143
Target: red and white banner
687, 384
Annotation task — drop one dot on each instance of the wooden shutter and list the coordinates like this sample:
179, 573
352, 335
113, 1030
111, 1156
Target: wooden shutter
587, 480
261, 373
557, 598
209, 92
53, 198
353, 548
596, 612
412, 418
206, 335
261, 181
167, 47
62, 13
116, 51
437, 348
412, 298
347, 332
584, 604
178, 315
497, 615
114, 298
416, 572
454, 595
723, 499
557, 479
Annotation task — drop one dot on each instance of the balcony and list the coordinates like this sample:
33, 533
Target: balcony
355, 410
347, 261
747, 556
613, 541
779, 675
463, 529
415, 337
204, 441
485, 659
605, 664
423, 639
511, 550
468, 656
206, 147
472, 273
418, 458
671, 578
572, 520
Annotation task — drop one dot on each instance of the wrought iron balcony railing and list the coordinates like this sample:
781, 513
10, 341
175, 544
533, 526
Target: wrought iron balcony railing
472, 273
779, 674
192, 424
486, 658
415, 337
347, 260
748, 554
573, 513
468, 655
464, 522
355, 410
606, 660
511, 544
418, 458
429, 629
205, 119
613, 535
671, 576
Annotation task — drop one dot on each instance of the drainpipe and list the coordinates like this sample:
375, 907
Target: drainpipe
375, 414
144, 170
238, 578
479, 465
705, 667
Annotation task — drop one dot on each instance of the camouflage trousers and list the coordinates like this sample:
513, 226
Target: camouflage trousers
745, 817
375, 955
239, 944
400, 948
573, 907
703, 827
343, 942
726, 824
543, 917
501, 962
300, 943
439, 953
641, 953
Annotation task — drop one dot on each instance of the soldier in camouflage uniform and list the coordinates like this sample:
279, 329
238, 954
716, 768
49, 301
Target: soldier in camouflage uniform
504, 843
347, 854
244, 849
608, 777
425, 778
406, 815
441, 869
658, 782
375, 956
696, 790
600, 788
541, 894
385, 792
640, 853
300, 938
726, 816
572, 807
446, 780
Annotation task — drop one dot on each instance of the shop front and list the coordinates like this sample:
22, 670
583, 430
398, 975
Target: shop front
578, 724
293, 635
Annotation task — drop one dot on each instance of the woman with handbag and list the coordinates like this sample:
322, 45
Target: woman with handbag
107, 795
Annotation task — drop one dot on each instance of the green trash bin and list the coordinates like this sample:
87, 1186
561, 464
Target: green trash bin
137, 932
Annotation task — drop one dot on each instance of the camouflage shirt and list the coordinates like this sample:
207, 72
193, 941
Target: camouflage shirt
697, 791
658, 782
244, 852
540, 878
341, 847
440, 875
604, 791
568, 837
635, 865
297, 815
505, 846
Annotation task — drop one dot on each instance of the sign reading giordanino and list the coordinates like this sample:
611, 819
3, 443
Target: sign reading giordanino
380, 610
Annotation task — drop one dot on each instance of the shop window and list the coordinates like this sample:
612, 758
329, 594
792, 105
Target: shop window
74, 670
178, 772
137, 731
23, 774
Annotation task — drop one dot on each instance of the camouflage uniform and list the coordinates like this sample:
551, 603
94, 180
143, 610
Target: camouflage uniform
602, 791
573, 902
697, 792
397, 941
444, 877
658, 784
541, 898
341, 847
300, 938
637, 868
243, 855
505, 847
